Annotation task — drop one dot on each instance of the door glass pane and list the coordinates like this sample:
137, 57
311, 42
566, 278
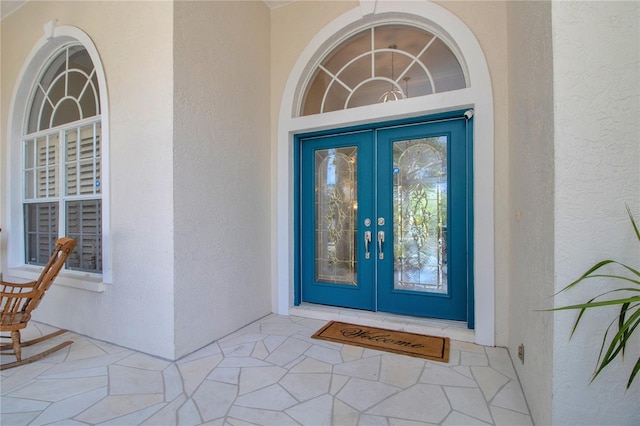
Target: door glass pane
420, 214
335, 215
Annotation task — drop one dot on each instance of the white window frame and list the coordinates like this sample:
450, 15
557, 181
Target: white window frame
45, 180
53, 39
57, 192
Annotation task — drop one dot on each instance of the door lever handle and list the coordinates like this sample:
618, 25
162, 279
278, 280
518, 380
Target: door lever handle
380, 241
367, 240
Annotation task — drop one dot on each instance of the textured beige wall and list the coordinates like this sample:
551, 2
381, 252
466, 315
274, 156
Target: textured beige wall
531, 178
221, 169
134, 41
596, 84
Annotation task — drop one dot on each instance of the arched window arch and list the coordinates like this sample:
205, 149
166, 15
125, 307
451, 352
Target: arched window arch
62, 161
381, 63
67, 91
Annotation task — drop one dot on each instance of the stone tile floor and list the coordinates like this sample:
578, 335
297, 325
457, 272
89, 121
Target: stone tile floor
268, 373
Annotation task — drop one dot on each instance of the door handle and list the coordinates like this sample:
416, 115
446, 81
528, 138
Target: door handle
367, 240
380, 241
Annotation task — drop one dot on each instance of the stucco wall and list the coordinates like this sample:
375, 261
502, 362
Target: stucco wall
222, 169
596, 77
531, 182
134, 42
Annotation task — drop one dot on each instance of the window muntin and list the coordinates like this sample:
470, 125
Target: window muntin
62, 162
381, 63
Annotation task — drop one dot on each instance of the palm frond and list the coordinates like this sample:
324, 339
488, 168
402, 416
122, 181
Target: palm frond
628, 318
633, 222
635, 370
618, 343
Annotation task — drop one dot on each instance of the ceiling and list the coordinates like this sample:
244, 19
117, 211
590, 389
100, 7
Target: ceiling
8, 6
277, 3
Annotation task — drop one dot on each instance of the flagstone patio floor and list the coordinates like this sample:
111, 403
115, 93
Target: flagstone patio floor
270, 372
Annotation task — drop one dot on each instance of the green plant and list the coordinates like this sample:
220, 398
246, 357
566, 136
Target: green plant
628, 298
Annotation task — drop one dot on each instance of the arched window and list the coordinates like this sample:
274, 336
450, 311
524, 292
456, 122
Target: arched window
62, 161
383, 63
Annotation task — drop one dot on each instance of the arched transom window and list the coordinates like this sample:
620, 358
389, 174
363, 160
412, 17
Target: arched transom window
62, 162
380, 64
66, 92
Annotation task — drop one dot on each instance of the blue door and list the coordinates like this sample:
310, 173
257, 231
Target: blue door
385, 219
337, 177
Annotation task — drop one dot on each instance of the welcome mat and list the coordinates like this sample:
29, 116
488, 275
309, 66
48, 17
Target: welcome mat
399, 342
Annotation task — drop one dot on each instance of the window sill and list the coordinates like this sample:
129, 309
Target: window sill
77, 280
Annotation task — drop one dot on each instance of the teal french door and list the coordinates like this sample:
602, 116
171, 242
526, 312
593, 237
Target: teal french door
385, 219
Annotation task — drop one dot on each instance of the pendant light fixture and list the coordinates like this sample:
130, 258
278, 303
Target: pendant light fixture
394, 94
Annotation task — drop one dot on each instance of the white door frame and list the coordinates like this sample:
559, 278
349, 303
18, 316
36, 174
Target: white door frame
477, 96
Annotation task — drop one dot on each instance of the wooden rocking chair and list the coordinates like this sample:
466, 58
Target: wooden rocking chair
17, 301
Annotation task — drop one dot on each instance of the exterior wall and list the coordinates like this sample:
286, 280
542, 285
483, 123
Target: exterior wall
221, 169
596, 77
134, 41
531, 184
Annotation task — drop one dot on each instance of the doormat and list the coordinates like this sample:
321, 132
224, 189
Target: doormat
399, 342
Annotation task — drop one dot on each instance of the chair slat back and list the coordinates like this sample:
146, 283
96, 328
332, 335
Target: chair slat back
63, 248
12, 307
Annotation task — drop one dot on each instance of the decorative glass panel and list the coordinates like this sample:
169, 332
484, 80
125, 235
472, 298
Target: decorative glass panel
380, 64
335, 218
420, 214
